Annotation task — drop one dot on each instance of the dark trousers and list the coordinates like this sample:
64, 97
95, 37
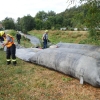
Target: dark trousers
44, 44
10, 52
18, 41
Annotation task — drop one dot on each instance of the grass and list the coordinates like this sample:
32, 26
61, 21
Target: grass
28, 81
56, 36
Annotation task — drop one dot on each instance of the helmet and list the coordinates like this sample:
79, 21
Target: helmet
2, 33
46, 31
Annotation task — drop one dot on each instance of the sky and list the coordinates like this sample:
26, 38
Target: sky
20, 8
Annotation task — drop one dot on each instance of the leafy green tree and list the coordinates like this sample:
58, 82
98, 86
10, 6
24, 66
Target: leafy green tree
8, 23
92, 15
52, 21
68, 16
51, 13
18, 24
92, 20
41, 15
39, 24
78, 20
59, 20
57, 26
47, 24
27, 23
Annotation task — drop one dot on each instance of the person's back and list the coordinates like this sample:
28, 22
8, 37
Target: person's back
18, 37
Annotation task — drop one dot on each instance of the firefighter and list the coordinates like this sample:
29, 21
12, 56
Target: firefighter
45, 39
11, 48
18, 37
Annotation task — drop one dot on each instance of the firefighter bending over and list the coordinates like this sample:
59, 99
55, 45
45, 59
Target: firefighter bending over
11, 48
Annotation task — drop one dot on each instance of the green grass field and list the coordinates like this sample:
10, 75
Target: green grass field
28, 81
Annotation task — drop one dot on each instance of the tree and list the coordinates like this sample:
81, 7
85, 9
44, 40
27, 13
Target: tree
59, 20
52, 20
18, 24
27, 23
39, 24
41, 15
8, 23
92, 15
45, 20
51, 13
92, 20
47, 24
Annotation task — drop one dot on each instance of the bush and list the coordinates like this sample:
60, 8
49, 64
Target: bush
12, 32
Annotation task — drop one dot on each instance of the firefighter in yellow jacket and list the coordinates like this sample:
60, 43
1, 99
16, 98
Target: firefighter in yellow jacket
11, 48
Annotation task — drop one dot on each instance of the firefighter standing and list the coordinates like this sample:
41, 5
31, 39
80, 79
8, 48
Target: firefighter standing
18, 37
11, 48
45, 39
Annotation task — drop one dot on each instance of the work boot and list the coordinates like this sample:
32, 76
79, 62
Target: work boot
8, 62
14, 63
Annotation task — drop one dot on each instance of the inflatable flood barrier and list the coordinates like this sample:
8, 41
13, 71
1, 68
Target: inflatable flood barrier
26, 53
81, 64
79, 46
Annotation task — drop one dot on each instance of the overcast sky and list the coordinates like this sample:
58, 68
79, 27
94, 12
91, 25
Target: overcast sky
20, 8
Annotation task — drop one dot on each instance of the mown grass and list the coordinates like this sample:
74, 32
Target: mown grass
28, 81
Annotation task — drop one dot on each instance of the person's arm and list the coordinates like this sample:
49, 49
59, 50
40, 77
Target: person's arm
5, 43
43, 37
